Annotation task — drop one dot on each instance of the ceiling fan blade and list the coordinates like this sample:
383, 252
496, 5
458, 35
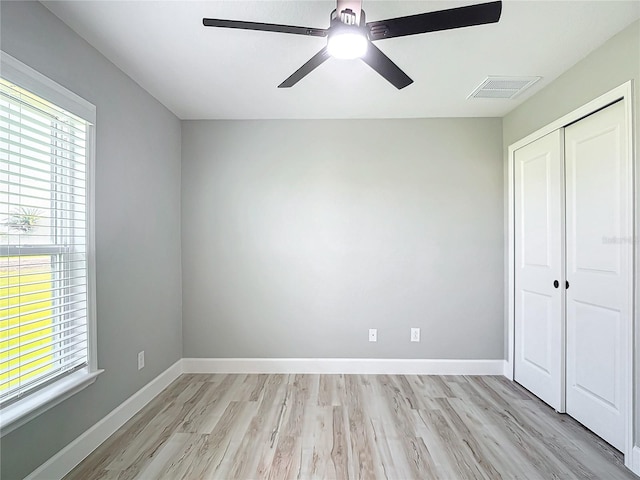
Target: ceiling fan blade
385, 67
435, 21
264, 27
313, 63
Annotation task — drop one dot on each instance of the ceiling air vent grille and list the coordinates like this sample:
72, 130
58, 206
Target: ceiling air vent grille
503, 87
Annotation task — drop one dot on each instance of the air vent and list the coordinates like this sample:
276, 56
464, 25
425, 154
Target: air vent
503, 87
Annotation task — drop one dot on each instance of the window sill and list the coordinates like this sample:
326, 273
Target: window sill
17, 414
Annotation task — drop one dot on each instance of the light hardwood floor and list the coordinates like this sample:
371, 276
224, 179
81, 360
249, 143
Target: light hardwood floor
350, 427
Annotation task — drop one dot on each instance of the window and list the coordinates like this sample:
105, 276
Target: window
47, 316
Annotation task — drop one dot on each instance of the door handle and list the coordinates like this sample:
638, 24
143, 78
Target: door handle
556, 283
566, 285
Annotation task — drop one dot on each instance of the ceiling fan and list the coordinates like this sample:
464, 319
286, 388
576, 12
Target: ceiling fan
350, 36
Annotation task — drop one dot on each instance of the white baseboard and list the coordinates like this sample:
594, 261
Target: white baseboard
344, 365
71, 455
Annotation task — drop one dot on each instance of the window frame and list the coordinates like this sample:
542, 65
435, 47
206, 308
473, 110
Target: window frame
23, 410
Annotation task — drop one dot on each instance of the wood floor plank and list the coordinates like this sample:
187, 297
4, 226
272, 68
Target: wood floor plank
392, 403
316, 444
499, 452
196, 416
365, 459
383, 427
463, 433
340, 450
325, 390
262, 431
187, 459
460, 459
150, 436
443, 464
207, 412
221, 445
167, 455
288, 455
258, 388
342, 427
142, 453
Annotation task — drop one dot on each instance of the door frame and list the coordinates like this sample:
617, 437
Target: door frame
622, 93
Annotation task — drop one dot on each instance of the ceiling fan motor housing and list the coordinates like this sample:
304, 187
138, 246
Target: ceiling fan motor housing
348, 17
346, 21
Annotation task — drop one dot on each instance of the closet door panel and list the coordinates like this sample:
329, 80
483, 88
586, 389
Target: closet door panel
598, 247
538, 264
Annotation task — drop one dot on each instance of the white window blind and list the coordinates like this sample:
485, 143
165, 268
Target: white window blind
43, 242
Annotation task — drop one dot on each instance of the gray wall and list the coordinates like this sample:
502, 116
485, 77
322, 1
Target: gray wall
607, 67
137, 228
614, 63
298, 236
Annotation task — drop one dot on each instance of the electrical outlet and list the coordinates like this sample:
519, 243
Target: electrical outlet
415, 334
373, 334
141, 360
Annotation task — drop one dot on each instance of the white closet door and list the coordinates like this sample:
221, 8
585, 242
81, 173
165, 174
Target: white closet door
539, 340
599, 249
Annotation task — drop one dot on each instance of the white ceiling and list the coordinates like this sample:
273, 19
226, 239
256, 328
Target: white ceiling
211, 73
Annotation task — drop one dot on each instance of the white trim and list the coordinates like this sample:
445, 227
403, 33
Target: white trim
623, 92
507, 371
618, 93
71, 455
25, 410
630, 346
344, 365
92, 310
511, 262
26, 77
635, 461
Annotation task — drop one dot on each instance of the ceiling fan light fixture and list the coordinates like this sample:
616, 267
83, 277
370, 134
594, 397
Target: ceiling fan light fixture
347, 45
